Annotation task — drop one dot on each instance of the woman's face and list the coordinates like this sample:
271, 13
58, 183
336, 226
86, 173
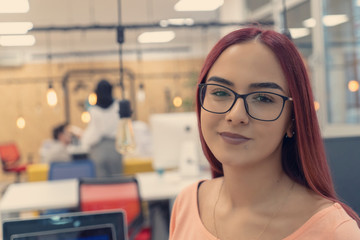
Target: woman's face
234, 137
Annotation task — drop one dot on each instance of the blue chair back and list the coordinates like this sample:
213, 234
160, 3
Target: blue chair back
72, 169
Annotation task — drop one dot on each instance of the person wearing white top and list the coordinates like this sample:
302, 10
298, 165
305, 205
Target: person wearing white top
99, 136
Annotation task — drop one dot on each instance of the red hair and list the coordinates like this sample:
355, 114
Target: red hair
303, 156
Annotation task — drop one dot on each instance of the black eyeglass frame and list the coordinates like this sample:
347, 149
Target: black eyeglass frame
243, 96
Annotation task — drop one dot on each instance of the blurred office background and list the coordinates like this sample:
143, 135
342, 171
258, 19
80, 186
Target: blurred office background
70, 45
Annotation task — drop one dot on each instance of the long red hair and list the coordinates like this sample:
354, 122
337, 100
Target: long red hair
303, 156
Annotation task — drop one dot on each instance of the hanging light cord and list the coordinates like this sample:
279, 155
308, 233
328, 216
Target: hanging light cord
49, 59
121, 72
120, 39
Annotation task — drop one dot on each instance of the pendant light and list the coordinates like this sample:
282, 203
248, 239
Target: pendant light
140, 94
20, 121
51, 96
177, 100
125, 140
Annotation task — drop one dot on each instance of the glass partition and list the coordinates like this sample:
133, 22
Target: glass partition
341, 21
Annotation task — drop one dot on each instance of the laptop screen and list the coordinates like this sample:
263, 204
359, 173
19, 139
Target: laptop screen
100, 232
75, 226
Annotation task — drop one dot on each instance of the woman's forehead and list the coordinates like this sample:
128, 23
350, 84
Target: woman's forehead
248, 63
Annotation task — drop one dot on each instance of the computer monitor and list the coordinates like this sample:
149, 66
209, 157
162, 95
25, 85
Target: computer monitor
170, 132
101, 225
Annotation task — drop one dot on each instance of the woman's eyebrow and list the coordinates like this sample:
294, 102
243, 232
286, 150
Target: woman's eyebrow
270, 85
220, 80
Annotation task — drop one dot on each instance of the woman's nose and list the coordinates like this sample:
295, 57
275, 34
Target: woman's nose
237, 113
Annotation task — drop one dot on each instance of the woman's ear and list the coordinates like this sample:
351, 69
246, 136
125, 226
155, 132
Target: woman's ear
290, 132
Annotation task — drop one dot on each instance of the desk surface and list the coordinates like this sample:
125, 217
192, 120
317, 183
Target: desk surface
166, 186
61, 194
40, 195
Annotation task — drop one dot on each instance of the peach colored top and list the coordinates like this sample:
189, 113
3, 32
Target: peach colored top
331, 223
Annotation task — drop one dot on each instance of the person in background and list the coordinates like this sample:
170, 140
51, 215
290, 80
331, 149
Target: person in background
56, 148
99, 136
260, 133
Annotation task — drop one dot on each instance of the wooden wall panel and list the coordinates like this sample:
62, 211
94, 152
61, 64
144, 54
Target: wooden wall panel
23, 92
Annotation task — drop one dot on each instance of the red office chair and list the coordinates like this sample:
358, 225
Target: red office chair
10, 158
116, 193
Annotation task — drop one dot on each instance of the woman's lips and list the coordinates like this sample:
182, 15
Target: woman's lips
233, 138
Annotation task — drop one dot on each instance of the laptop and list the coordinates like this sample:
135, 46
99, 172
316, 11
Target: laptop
99, 225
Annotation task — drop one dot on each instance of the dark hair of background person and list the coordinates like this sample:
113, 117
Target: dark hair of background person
303, 156
58, 130
104, 94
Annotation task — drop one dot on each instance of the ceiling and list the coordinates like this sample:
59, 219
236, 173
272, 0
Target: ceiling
85, 30
48, 16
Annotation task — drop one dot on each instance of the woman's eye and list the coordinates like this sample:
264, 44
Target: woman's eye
220, 93
262, 98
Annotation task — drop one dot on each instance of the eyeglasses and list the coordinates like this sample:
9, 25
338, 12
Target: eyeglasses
263, 106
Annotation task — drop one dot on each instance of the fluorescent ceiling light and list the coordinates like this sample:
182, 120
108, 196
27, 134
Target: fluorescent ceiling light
177, 22
299, 32
333, 20
328, 20
309, 23
358, 3
198, 5
14, 6
156, 37
15, 27
17, 40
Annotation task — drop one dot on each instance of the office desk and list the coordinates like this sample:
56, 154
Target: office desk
64, 194
155, 187
60, 194
31, 196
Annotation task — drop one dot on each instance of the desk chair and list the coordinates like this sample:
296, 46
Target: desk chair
72, 169
10, 159
67, 170
115, 193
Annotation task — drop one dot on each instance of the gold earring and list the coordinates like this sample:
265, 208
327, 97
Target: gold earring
293, 133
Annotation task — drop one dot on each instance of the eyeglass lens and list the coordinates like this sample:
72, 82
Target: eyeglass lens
259, 105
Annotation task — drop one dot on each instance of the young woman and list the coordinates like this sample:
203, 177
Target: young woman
260, 133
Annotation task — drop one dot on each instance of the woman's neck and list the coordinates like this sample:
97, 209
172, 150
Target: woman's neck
254, 186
